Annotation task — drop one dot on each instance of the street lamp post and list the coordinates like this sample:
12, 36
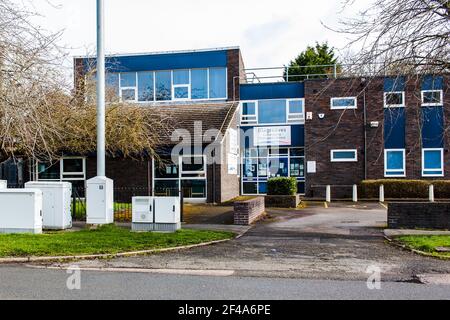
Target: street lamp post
101, 172
100, 190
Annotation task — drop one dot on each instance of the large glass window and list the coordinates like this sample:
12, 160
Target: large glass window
394, 163
218, 83
279, 111
146, 86
68, 169
128, 88
188, 175
181, 84
48, 171
199, 84
272, 111
433, 162
112, 83
163, 85
261, 164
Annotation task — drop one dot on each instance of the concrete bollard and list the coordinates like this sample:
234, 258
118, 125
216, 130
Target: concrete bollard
431, 193
382, 193
329, 194
355, 193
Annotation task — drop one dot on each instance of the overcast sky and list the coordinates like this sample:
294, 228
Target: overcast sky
269, 32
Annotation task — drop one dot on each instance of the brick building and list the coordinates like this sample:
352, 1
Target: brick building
334, 131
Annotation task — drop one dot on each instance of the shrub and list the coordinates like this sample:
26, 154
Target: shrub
396, 188
282, 187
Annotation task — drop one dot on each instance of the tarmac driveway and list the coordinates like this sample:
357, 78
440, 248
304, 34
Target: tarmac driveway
339, 242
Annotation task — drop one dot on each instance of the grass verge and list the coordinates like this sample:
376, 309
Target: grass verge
108, 239
427, 244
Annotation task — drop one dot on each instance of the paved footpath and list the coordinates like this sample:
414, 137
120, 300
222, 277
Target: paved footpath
338, 243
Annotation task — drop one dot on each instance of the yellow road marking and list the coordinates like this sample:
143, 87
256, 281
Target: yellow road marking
383, 205
326, 205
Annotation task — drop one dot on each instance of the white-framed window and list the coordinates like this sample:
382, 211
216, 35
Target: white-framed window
249, 112
170, 85
128, 86
67, 169
272, 111
296, 110
394, 99
433, 162
344, 103
193, 166
187, 174
394, 163
181, 85
432, 98
349, 155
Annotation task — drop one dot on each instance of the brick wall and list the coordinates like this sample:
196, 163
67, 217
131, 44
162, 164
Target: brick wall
339, 129
419, 215
235, 73
124, 172
346, 130
247, 212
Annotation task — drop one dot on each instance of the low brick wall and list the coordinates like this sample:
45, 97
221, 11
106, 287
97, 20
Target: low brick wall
282, 201
247, 212
422, 215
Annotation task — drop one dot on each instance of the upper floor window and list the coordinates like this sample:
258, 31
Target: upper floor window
394, 99
167, 85
272, 111
432, 98
128, 88
344, 103
278, 111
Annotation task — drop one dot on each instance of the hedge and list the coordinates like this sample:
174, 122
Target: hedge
282, 187
395, 188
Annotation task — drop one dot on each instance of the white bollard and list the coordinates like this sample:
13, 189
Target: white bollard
355, 193
329, 194
431, 193
382, 193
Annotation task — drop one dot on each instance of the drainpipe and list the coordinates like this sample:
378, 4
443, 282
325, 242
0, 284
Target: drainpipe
365, 135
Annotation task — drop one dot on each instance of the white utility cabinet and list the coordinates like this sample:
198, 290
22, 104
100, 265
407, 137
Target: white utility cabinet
156, 214
3, 184
143, 210
21, 211
56, 211
100, 201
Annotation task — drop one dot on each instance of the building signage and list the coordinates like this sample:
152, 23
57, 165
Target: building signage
233, 164
234, 143
272, 136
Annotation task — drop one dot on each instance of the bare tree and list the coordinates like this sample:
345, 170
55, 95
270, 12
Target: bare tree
39, 116
400, 37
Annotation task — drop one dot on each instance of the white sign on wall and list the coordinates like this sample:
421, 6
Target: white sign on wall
312, 167
233, 140
272, 136
233, 164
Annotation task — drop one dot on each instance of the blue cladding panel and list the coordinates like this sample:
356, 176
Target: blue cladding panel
394, 128
297, 133
155, 62
394, 84
282, 90
433, 127
432, 83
